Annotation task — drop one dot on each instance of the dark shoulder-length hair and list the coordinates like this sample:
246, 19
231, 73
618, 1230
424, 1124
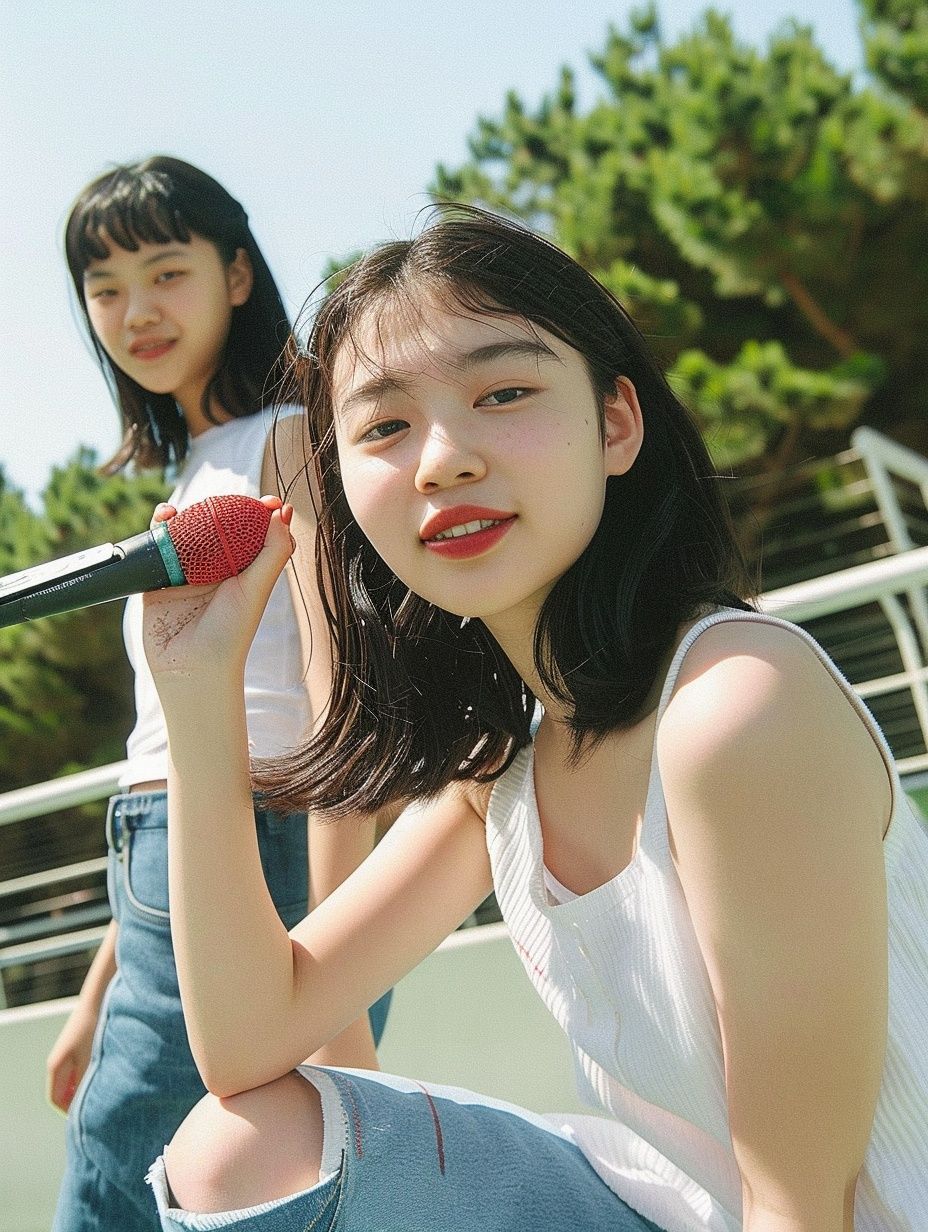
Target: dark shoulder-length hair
159, 201
421, 697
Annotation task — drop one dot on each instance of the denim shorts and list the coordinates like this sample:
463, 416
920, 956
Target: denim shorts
400, 1156
142, 1080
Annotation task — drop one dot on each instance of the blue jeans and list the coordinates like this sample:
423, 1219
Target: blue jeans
142, 1080
400, 1156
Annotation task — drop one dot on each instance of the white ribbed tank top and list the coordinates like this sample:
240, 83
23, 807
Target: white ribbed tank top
226, 459
621, 971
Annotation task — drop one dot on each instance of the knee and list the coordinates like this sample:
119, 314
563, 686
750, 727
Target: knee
250, 1148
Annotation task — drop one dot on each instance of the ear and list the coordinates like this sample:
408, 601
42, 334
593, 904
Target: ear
623, 426
240, 278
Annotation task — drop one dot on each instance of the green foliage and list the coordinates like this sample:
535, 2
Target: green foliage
761, 216
65, 685
737, 403
334, 271
897, 45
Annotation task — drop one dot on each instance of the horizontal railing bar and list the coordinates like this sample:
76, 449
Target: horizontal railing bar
52, 904
40, 927
66, 943
66, 792
52, 876
848, 560
847, 457
851, 525
912, 765
891, 684
895, 457
850, 588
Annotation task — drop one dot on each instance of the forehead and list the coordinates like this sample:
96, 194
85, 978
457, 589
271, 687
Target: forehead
430, 338
147, 254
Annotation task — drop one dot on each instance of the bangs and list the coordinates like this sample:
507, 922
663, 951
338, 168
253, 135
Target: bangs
405, 306
126, 212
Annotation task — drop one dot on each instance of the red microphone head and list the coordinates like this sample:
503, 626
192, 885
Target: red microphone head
218, 537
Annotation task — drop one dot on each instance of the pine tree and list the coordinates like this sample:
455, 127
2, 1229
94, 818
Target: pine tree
65, 685
761, 215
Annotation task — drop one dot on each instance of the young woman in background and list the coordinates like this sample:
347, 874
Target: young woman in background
188, 326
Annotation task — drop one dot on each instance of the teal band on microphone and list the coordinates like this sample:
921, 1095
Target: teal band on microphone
165, 546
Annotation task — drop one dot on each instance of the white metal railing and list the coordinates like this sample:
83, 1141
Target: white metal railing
81, 788
36, 801
883, 459
838, 592
877, 581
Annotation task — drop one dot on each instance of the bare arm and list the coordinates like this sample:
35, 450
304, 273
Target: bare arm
242, 977
70, 1054
334, 851
778, 798
256, 1000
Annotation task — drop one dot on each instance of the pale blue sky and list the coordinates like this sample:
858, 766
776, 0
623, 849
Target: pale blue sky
325, 117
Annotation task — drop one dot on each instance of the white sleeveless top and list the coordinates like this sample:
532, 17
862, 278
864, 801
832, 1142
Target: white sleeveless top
227, 458
621, 971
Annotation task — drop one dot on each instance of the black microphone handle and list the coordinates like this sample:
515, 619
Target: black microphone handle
136, 565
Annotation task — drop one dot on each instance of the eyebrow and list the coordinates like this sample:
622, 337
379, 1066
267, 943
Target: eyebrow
170, 255
379, 386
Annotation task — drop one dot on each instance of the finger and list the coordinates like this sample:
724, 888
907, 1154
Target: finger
270, 561
62, 1086
163, 513
279, 543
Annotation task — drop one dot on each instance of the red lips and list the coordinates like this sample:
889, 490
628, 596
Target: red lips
459, 515
473, 542
150, 348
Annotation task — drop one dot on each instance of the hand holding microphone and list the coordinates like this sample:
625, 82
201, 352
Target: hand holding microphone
202, 631
205, 544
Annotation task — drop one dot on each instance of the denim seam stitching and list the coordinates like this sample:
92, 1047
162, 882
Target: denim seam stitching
336, 1197
141, 907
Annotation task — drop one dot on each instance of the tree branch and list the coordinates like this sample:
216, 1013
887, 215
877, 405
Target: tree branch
817, 317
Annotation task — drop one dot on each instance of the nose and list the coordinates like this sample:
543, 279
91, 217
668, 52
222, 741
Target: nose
141, 309
447, 459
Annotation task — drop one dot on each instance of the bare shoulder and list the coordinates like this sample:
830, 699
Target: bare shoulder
468, 799
754, 703
287, 468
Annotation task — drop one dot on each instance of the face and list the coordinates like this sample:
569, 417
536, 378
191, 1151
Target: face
162, 314
472, 457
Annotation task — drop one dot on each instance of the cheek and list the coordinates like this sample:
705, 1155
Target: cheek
575, 493
370, 489
101, 323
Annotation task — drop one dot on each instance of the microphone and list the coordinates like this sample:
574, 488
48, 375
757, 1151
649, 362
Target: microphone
204, 544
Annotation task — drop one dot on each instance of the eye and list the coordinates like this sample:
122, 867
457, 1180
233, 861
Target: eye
383, 431
502, 397
170, 275
103, 293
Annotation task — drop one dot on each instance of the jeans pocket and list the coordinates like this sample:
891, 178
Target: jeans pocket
145, 865
76, 1110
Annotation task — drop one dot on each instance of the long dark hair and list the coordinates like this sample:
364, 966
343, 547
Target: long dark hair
154, 202
422, 698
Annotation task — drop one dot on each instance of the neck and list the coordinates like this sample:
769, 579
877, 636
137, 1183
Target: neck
191, 407
516, 640
515, 634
